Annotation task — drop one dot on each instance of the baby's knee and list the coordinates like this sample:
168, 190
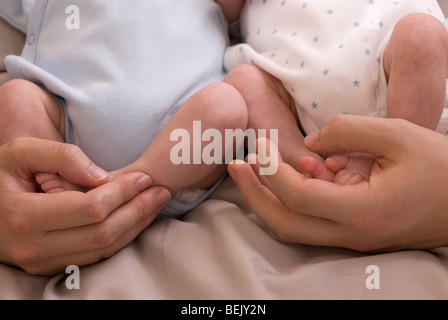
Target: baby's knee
245, 74
222, 106
16, 93
422, 35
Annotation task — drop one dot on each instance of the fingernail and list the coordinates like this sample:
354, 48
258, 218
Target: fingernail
97, 173
311, 140
163, 196
144, 183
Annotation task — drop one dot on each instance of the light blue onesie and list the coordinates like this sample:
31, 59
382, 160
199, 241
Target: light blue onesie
122, 69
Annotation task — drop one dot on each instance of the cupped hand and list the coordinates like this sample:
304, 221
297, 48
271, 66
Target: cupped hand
404, 205
43, 233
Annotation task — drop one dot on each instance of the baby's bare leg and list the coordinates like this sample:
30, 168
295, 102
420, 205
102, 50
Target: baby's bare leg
218, 106
27, 110
415, 63
231, 8
270, 106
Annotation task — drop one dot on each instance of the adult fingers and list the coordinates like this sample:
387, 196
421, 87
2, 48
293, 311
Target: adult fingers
85, 245
121, 226
89, 244
288, 224
372, 135
253, 160
37, 155
72, 209
314, 197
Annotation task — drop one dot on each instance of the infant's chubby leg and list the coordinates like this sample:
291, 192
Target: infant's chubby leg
27, 110
416, 65
219, 107
271, 107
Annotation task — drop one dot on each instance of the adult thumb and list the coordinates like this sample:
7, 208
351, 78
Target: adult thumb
348, 133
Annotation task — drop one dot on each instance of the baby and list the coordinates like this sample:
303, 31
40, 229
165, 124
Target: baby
117, 78
304, 62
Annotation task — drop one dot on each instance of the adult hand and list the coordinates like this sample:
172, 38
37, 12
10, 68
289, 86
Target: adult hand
44, 233
404, 205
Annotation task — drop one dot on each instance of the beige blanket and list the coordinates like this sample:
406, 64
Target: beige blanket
222, 251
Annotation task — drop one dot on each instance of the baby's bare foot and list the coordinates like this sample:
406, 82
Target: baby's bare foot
315, 168
52, 183
350, 169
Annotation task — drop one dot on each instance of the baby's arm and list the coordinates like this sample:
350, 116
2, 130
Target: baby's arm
231, 8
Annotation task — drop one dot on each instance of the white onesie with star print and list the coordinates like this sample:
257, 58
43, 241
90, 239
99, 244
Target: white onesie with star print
328, 54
